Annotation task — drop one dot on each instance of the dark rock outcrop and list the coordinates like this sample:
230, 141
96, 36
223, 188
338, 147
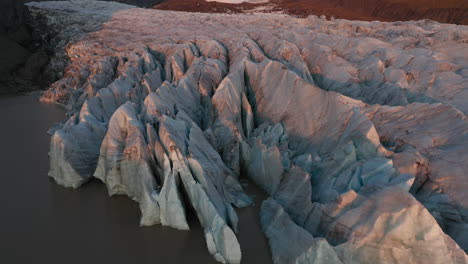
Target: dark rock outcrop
23, 55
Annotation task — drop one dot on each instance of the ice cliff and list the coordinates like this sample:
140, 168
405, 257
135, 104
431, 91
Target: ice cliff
356, 130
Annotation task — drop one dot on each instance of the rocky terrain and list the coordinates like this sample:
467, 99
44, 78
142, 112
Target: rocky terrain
23, 55
357, 131
449, 11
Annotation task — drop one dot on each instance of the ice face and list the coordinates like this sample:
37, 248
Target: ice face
357, 130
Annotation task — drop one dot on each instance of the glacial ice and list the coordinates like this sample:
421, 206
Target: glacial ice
356, 130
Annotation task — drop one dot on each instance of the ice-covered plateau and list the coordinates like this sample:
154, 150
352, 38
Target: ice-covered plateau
356, 130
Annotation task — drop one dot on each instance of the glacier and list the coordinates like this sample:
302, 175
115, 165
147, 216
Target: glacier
357, 131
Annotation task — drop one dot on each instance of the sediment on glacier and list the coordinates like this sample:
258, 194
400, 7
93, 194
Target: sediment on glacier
359, 137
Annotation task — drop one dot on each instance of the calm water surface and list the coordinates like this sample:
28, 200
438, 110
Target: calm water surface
42, 222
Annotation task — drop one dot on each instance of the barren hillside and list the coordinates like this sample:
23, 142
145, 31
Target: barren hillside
452, 11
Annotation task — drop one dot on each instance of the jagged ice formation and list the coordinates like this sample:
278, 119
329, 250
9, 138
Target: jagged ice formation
356, 130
